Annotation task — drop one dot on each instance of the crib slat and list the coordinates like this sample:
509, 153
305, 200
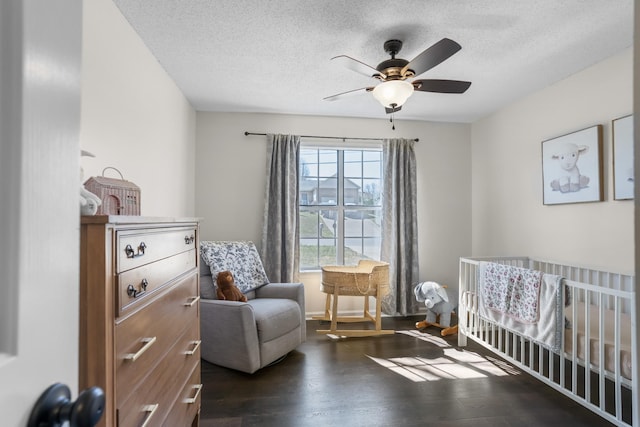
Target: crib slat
601, 344
574, 338
616, 352
635, 375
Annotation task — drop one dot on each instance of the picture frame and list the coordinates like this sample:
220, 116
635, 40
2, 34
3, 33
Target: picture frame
622, 137
572, 167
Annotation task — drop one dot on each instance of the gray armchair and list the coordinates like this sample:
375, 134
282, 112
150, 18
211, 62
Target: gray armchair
247, 336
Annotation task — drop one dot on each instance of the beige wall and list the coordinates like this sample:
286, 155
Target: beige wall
479, 190
230, 183
508, 215
134, 117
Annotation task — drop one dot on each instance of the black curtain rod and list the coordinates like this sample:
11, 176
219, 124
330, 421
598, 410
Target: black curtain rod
327, 137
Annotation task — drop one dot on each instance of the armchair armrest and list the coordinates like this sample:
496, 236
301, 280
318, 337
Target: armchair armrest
232, 323
294, 291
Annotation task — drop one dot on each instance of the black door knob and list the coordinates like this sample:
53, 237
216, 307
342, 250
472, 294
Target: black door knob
54, 407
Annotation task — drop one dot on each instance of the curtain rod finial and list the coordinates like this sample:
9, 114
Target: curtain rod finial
246, 133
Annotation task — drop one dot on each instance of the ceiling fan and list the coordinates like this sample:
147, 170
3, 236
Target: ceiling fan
396, 74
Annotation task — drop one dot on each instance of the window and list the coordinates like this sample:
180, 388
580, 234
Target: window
340, 206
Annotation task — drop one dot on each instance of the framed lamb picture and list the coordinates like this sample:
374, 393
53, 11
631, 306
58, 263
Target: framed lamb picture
572, 167
622, 135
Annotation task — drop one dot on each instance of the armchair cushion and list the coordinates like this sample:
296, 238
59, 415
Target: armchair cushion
241, 258
275, 317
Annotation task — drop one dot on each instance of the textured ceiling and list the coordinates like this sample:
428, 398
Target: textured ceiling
274, 56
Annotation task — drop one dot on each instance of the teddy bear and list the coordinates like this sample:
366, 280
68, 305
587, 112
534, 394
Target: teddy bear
227, 288
439, 307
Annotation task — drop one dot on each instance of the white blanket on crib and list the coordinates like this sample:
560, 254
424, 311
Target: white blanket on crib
513, 284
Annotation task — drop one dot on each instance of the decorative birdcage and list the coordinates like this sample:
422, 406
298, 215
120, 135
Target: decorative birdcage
118, 196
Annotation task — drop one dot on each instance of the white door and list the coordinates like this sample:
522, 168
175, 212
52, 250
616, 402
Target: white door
40, 56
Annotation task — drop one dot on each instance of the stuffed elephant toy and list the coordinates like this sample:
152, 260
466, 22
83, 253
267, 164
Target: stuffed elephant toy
438, 302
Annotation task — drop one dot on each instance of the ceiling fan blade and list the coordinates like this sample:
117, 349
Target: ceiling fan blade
357, 66
441, 86
347, 93
432, 56
392, 110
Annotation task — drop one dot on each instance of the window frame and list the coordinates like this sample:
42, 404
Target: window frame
340, 207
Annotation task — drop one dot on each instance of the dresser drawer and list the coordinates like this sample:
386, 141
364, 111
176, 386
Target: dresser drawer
154, 399
138, 284
143, 339
139, 247
186, 407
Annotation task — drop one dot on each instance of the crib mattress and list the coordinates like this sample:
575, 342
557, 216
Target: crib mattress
361, 280
594, 338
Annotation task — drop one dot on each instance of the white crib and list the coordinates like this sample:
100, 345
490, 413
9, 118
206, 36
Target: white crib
601, 300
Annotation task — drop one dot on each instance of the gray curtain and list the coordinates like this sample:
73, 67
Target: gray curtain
400, 226
280, 244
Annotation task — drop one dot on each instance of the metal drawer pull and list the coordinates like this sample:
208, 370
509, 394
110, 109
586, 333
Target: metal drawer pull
134, 293
151, 409
189, 239
132, 254
193, 399
134, 356
195, 348
193, 301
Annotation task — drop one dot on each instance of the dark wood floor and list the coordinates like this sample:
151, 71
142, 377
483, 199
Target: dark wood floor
392, 380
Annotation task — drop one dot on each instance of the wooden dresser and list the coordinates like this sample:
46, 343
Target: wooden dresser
140, 318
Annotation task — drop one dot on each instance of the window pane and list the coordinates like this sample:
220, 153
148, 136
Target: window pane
369, 155
353, 251
371, 223
328, 191
371, 247
362, 223
353, 170
353, 223
308, 224
308, 162
327, 156
327, 252
308, 191
353, 156
328, 218
327, 169
309, 170
308, 254
308, 155
361, 248
371, 170
351, 192
371, 192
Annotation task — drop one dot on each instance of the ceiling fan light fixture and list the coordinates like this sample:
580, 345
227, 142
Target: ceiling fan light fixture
393, 93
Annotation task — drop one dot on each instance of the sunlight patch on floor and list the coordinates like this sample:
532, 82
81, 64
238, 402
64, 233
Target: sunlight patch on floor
452, 364
425, 337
